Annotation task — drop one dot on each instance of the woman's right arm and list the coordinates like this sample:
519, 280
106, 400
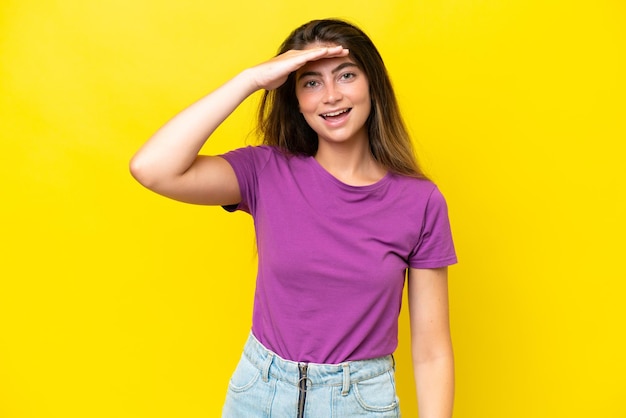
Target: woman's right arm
169, 163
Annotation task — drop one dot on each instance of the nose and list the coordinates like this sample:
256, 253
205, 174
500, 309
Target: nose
332, 93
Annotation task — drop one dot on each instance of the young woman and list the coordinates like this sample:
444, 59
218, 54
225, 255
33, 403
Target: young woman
343, 215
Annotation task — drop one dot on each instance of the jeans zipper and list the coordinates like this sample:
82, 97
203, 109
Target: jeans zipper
302, 385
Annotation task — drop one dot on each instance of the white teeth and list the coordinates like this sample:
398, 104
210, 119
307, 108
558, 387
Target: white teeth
337, 113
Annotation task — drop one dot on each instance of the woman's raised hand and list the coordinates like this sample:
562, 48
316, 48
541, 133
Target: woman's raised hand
169, 163
273, 73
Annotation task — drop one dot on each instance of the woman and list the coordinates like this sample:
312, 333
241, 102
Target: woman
342, 215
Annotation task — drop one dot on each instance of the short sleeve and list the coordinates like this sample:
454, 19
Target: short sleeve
247, 163
435, 247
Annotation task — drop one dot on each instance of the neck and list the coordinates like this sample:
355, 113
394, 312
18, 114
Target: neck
351, 163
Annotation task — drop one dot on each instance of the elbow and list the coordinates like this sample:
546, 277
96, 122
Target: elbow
429, 353
135, 168
141, 172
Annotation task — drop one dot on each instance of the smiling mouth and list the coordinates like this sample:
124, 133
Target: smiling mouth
331, 115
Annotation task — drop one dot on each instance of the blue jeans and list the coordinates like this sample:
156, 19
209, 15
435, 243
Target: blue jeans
267, 386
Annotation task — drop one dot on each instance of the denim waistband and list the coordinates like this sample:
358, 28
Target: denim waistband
342, 374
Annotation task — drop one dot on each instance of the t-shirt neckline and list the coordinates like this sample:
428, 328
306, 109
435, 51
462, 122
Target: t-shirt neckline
365, 188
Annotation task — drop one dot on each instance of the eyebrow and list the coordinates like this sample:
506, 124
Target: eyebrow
335, 70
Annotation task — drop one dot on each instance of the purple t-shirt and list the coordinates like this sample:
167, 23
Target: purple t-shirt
332, 257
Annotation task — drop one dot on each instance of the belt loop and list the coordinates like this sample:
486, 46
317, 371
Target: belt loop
266, 367
393, 359
345, 389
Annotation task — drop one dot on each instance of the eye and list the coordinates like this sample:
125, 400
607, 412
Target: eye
347, 76
311, 84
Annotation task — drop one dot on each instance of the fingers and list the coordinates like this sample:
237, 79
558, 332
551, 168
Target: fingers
297, 58
328, 51
273, 73
315, 54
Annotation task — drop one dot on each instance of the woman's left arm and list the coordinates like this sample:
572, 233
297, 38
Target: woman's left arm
431, 344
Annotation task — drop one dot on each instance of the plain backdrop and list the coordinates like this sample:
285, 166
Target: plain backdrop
115, 302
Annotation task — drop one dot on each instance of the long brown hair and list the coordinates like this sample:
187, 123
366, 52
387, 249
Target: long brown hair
281, 124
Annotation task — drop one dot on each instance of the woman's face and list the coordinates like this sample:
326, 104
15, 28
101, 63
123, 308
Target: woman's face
334, 98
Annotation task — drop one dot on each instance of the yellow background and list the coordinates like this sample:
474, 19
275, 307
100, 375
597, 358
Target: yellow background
115, 302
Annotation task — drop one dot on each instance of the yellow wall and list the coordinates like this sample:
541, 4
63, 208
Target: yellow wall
115, 302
